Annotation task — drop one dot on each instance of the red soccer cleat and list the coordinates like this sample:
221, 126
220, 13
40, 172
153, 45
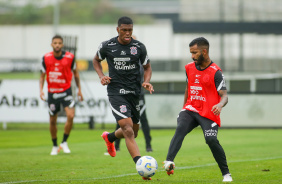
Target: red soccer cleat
170, 172
146, 178
110, 145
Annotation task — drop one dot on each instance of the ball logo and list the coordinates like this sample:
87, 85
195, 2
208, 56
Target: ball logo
123, 109
133, 50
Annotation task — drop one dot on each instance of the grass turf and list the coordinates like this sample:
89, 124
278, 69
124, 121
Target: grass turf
254, 156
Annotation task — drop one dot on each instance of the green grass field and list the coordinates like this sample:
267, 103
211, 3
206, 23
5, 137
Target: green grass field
254, 156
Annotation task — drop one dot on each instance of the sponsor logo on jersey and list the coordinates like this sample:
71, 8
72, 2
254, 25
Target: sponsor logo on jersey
121, 64
196, 97
122, 52
123, 108
112, 43
114, 50
133, 50
122, 59
210, 132
196, 87
198, 75
123, 91
197, 81
56, 89
57, 64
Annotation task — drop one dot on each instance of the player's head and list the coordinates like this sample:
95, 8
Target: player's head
199, 48
57, 43
124, 29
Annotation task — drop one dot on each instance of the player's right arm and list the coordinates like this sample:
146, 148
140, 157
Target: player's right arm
41, 84
42, 79
186, 91
186, 94
105, 80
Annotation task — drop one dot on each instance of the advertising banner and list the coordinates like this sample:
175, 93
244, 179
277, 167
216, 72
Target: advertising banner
20, 102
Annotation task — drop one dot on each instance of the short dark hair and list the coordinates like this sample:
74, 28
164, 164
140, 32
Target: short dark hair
124, 20
57, 36
201, 42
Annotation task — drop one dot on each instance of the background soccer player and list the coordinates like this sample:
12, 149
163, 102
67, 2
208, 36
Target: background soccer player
124, 56
205, 96
59, 66
143, 118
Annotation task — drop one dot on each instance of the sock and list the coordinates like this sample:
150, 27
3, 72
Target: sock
65, 138
54, 142
112, 137
135, 159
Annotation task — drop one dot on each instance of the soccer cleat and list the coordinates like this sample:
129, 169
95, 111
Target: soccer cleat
110, 145
146, 178
55, 150
169, 167
149, 149
227, 178
64, 147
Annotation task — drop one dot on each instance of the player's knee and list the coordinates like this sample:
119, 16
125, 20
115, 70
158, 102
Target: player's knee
128, 131
70, 115
211, 140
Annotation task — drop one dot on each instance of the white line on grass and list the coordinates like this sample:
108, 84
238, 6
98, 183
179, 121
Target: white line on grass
129, 174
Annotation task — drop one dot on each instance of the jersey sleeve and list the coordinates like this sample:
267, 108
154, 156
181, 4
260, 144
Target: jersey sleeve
102, 51
219, 81
144, 56
43, 66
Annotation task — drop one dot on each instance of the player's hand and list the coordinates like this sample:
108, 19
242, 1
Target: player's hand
148, 87
80, 96
42, 96
105, 80
216, 109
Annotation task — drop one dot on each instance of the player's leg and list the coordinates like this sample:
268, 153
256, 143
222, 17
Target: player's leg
145, 124
53, 108
117, 142
68, 104
185, 124
130, 131
210, 130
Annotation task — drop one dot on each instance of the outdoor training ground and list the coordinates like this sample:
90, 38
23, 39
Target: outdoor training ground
253, 155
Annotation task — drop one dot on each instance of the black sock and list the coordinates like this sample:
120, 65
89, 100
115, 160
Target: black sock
54, 142
112, 137
135, 159
65, 138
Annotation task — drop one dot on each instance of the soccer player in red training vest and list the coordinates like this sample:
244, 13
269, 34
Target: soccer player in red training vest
59, 66
204, 98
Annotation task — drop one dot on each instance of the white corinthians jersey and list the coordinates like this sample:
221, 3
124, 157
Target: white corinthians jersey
124, 63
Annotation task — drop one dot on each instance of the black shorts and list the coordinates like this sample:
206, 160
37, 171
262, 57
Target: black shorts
125, 106
56, 99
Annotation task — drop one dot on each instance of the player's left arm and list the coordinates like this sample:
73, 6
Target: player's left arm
147, 77
222, 92
145, 61
77, 80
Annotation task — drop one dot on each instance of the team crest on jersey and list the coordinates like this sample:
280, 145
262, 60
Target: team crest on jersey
123, 109
133, 50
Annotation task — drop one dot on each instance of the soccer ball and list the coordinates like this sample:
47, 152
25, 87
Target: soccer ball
146, 166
